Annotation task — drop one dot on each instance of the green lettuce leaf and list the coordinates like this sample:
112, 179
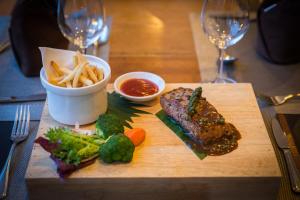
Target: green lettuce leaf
73, 147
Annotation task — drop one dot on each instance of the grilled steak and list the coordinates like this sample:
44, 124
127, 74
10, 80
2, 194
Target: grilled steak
200, 119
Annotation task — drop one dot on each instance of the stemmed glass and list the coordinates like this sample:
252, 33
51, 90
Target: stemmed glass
81, 21
225, 22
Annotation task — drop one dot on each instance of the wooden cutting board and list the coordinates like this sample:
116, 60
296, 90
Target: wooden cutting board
163, 167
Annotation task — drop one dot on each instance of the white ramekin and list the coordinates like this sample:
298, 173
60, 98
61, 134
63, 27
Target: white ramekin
78, 105
144, 75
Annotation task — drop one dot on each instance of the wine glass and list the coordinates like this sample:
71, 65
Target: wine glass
81, 21
225, 22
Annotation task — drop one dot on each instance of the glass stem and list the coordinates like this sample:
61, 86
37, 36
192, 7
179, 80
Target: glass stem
221, 65
82, 50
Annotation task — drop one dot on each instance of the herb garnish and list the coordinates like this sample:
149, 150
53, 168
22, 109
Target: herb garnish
194, 100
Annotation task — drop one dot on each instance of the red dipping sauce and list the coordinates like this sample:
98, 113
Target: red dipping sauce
138, 87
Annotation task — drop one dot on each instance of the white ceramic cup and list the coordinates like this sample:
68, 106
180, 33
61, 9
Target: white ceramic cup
78, 105
142, 75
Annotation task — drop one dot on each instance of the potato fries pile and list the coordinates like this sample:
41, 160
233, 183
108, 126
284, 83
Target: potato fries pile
82, 74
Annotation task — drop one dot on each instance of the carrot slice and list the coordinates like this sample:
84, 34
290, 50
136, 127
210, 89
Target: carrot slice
136, 135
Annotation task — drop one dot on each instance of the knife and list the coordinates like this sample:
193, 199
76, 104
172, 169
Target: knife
282, 143
27, 98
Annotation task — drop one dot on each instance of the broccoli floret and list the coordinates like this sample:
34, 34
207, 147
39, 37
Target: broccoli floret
107, 125
117, 148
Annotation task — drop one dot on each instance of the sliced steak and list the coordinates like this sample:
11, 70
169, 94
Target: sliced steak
206, 126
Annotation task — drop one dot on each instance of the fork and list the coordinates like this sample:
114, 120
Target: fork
19, 133
278, 100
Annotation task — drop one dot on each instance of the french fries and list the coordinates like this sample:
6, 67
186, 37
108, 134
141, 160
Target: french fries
81, 74
77, 74
75, 61
56, 68
84, 72
91, 73
100, 73
68, 84
85, 80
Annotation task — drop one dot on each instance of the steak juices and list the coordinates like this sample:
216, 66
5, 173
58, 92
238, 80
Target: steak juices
201, 120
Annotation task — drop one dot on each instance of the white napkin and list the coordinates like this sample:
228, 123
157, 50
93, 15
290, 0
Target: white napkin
62, 57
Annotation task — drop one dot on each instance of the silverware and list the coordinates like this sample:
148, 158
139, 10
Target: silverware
278, 100
282, 143
27, 98
4, 46
19, 133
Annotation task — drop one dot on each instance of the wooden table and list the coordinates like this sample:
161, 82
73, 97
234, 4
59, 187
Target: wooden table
153, 36
150, 36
